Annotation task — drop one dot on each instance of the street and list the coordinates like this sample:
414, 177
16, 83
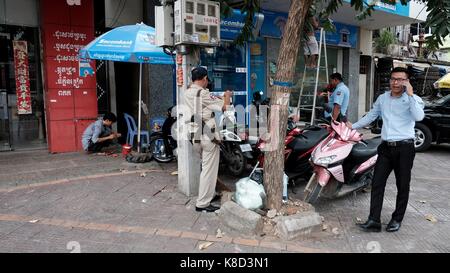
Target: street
86, 203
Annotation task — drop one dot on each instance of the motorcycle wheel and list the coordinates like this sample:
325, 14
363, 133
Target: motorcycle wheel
237, 166
159, 151
312, 190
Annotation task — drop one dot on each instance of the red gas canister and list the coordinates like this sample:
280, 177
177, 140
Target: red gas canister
126, 150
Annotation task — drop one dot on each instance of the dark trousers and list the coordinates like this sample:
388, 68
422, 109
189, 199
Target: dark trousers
400, 159
104, 147
98, 147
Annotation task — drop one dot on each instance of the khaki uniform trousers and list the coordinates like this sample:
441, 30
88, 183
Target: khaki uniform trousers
210, 155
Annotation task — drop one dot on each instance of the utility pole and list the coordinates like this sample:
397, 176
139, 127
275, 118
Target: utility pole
186, 26
188, 161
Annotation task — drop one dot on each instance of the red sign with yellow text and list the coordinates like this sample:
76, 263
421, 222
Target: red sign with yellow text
22, 77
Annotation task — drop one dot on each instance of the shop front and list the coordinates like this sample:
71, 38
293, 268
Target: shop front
345, 38
44, 102
239, 68
22, 122
251, 68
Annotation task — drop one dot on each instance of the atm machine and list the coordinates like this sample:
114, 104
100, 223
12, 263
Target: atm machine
227, 70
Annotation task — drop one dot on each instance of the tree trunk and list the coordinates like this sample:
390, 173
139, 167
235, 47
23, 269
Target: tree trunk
287, 60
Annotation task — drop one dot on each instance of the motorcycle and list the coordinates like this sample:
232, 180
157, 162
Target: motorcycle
162, 144
299, 145
343, 163
234, 150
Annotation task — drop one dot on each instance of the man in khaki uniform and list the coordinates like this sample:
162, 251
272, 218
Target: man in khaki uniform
200, 102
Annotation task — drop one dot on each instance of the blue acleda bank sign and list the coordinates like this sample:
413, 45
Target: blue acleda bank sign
387, 6
345, 35
230, 27
274, 23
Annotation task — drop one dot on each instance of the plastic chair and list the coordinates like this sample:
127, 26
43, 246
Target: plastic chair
133, 131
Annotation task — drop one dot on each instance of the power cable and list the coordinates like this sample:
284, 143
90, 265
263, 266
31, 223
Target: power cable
120, 13
121, 7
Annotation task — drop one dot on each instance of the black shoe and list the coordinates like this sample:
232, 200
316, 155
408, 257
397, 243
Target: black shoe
371, 226
209, 208
393, 226
216, 198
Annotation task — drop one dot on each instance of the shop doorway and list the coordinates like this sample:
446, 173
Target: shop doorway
20, 131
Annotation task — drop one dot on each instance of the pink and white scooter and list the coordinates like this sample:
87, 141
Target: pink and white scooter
343, 163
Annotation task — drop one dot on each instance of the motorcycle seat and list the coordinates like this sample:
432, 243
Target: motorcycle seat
363, 151
309, 138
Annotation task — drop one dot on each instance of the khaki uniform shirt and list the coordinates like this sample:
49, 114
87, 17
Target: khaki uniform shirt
209, 105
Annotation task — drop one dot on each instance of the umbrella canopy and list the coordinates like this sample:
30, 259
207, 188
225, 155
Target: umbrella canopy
134, 44
443, 82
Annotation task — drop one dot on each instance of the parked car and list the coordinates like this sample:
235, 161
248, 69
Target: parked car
435, 128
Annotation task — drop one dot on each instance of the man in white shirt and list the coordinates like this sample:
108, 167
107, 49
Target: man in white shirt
400, 109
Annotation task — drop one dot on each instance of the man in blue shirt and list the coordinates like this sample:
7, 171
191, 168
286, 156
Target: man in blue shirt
339, 100
399, 109
99, 137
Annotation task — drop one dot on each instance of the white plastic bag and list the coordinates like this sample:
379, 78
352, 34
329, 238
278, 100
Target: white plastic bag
250, 194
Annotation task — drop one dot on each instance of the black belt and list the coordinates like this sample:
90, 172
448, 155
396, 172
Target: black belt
398, 143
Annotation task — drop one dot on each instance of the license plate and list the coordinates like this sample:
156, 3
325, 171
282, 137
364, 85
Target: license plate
246, 148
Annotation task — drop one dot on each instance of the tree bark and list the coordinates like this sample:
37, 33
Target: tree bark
287, 60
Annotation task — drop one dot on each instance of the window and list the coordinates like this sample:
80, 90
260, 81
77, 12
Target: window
201, 28
211, 10
190, 7
417, 28
201, 9
213, 31
189, 28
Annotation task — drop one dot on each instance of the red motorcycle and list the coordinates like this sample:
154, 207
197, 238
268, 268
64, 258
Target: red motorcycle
299, 143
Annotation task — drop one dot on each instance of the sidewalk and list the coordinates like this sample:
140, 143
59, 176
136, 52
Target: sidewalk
49, 203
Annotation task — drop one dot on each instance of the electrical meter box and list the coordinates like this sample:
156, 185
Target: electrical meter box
197, 22
164, 25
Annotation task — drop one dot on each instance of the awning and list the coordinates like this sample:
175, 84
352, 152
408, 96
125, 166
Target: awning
443, 82
405, 64
443, 68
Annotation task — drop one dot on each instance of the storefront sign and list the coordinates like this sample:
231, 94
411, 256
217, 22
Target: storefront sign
345, 36
62, 48
22, 77
86, 68
275, 22
390, 6
231, 27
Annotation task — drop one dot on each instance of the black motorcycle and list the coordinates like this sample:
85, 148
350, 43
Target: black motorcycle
162, 145
234, 150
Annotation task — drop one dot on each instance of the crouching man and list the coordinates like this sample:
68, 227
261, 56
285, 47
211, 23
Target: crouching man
99, 137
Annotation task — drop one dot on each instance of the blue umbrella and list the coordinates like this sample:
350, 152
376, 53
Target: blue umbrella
135, 44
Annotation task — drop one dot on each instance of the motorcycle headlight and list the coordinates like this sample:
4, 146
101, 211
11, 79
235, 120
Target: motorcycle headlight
325, 161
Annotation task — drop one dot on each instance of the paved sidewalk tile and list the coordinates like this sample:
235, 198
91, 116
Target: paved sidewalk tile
58, 201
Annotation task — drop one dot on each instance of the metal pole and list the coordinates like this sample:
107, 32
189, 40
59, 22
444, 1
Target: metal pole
301, 91
317, 77
140, 112
326, 55
326, 59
